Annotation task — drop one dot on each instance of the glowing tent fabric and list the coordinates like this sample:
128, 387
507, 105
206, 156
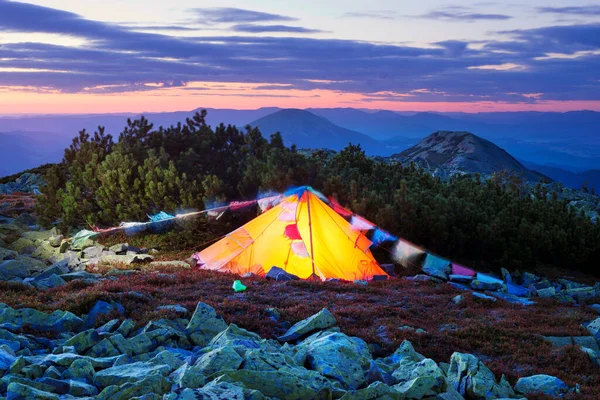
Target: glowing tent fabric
303, 236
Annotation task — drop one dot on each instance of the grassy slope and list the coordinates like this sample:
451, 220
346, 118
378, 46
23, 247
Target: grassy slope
506, 337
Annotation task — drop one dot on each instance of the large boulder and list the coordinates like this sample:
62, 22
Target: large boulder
374, 391
321, 320
6, 254
122, 374
48, 283
546, 384
11, 269
263, 360
58, 321
204, 325
409, 370
20, 391
339, 357
45, 251
154, 385
418, 388
217, 360
469, 377
103, 308
286, 383
236, 336
23, 246
219, 389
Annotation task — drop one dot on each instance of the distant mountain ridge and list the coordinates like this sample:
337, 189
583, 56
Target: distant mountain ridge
309, 131
463, 153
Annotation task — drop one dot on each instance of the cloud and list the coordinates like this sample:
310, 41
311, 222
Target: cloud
462, 16
118, 58
585, 11
237, 15
251, 28
387, 15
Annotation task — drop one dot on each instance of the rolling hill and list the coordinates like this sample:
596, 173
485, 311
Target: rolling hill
307, 130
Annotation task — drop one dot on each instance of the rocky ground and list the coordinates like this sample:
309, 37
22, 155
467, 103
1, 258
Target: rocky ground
115, 321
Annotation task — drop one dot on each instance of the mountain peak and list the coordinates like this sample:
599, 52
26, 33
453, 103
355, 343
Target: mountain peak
464, 152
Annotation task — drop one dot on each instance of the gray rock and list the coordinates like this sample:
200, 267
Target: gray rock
119, 248
44, 251
48, 283
125, 259
17, 391
286, 383
93, 252
21, 244
546, 384
219, 389
40, 236
6, 359
80, 275
417, 388
528, 279
55, 240
59, 268
374, 391
459, 299
595, 307
460, 278
322, 320
123, 374
279, 274
581, 294
179, 309
469, 377
217, 360
546, 293
236, 336
582, 341
11, 269
170, 264
103, 308
80, 369
481, 285
81, 389
204, 325
84, 341
152, 385
339, 357
6, 254
483, 296
60, 321
594, 328
409, 370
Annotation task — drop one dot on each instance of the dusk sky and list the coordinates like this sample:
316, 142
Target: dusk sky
82, 56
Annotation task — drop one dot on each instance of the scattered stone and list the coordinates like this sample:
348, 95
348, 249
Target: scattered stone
424, 278
482, 285
217, 360
20, 391
459, 299
127, 259
322, 320
545, 384
279, 274
55, 240
6, 254
594, 328
528, 279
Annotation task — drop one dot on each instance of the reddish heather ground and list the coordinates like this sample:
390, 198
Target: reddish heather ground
506, 337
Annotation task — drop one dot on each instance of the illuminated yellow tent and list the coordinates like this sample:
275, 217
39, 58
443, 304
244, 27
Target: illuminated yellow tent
303, 236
